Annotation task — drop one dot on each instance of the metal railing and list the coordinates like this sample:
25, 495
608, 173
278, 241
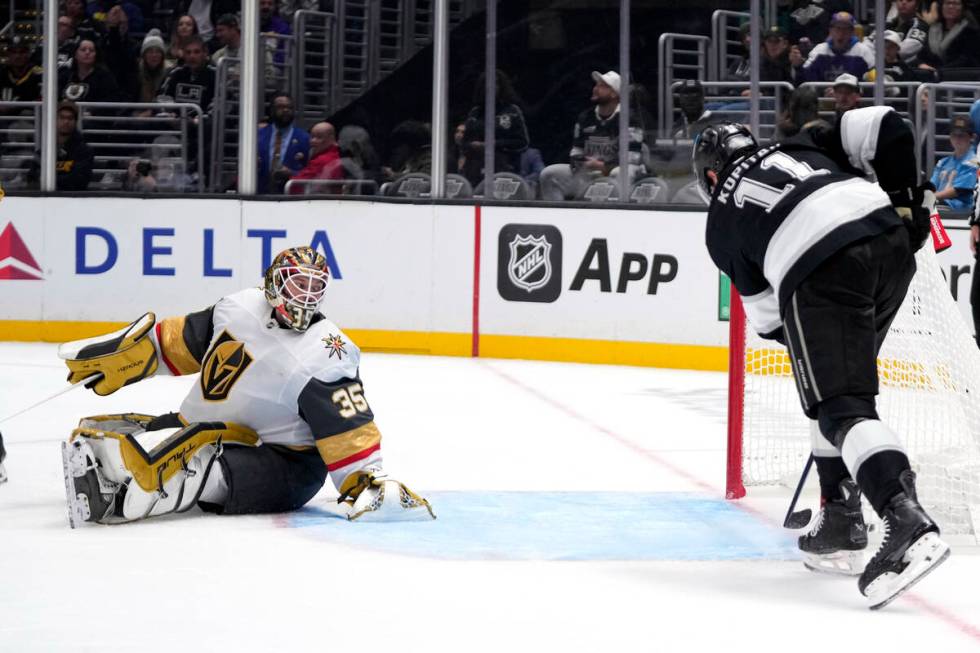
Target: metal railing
169, 136
725, 101
725, 41
314, 93
681, 56
225, 120
898, 95
935, 105
331, 186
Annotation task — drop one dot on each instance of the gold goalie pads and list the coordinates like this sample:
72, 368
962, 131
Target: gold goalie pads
117, 359
124, 457
370, 495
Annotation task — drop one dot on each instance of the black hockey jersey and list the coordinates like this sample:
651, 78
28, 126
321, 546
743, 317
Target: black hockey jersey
184, 84
598, 138
779, 213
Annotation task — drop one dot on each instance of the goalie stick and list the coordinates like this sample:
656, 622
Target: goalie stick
797, 520
55, 395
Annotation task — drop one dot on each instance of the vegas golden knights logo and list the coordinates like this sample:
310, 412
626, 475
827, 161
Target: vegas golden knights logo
222, 367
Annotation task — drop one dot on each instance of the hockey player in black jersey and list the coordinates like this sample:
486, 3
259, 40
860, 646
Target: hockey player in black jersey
822, 258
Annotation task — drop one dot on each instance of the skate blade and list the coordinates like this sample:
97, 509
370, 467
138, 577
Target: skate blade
925, 554
78, 508
841, 563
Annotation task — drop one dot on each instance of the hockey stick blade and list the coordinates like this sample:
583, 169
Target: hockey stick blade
798, 520
795, 520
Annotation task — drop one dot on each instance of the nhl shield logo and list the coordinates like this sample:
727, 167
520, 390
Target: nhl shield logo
530, 262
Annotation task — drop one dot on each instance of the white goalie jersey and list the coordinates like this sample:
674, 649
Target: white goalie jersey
293, 389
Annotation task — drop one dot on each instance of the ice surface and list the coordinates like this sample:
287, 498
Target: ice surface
580, 509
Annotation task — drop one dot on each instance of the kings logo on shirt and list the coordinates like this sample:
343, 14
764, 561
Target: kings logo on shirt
223, 365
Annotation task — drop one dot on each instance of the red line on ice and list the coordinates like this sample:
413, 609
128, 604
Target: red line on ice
943, 615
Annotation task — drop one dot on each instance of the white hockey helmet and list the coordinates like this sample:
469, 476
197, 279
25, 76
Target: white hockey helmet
295, 283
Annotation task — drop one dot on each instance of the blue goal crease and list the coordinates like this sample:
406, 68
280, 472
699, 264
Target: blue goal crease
480, 525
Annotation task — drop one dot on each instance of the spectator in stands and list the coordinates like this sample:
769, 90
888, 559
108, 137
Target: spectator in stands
228, 34
270, 23
847, 93
324, 161
86, 79
841, 53
151, 70
510, 130
955, 176
193, 82
20, 80
74, 163
595, 144
532, 165
122, 50
288, 8
410, 150
85, 27
206, 14
161, 170
803, 109
954, 40
67, 40
284, 148
184, 29
740, 69
913, 30
458, 153
897, 69
774, 65
98, 11
359, 159
694, 118
810, 19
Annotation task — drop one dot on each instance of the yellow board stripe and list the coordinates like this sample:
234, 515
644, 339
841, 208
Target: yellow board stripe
573, 350
174, 348
338, 448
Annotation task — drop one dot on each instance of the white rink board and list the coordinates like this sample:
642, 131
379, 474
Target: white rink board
402, 267
682, 307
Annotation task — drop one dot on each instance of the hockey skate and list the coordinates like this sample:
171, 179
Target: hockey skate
90, 495
836, 544
911, 548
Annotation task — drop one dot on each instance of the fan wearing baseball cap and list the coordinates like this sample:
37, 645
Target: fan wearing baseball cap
955, 176
841, 53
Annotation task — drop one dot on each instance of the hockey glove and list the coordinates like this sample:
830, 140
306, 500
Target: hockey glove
120, 358
371, 496
918, 215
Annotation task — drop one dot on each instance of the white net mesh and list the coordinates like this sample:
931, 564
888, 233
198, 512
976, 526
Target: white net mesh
929, 371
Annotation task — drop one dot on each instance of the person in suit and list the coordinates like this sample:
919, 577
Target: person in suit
284, 148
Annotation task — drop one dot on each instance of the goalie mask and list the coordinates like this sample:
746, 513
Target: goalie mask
294, 286
715, 148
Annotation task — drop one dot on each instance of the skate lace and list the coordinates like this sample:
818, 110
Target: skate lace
886, 529
819, 523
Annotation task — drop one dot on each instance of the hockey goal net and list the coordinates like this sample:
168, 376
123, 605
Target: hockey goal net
929, 372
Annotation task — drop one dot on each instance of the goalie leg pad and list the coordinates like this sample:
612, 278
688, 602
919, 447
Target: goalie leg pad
111, 478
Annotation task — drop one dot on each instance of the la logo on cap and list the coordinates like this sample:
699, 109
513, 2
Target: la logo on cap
16, 261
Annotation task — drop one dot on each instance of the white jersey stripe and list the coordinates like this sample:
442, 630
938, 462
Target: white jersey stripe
817, 215
762, 309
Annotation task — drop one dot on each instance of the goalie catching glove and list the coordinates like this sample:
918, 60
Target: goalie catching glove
117, 359
369, 495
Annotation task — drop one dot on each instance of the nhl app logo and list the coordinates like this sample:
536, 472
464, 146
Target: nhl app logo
223, 366
529, 263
